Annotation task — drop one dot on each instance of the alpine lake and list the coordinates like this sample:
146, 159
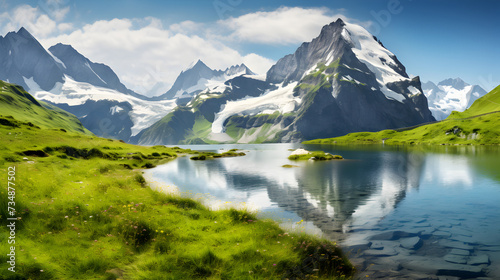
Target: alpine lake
417, 212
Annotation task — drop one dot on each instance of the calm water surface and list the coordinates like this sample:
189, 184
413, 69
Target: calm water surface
401, 213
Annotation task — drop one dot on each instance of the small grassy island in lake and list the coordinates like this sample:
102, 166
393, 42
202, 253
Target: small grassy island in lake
301, 154
210, 155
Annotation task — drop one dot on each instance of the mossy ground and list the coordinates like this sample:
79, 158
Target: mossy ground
87, 213
211, 155
317, 155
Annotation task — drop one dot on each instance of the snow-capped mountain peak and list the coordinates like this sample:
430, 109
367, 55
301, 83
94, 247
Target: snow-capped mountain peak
198, 77
81, 69
198, 66
451, 95
342, 81
456, 83
67, 79
373, 54
241, 69
23, 56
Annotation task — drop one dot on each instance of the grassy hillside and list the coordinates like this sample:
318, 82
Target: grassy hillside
16, 102
478, 125
85, 212
486, 104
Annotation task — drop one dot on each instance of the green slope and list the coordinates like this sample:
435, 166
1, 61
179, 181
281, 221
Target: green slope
486, 104
85, 212
478, 125
17, 103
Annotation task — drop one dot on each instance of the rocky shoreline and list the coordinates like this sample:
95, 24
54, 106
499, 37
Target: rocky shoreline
427, 249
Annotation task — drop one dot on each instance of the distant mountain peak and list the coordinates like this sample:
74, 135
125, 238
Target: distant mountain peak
63, 46
338, 23
81, 69
450, 95
24, 32
456, 83
197, 65
23, 58
237, 69
198, 75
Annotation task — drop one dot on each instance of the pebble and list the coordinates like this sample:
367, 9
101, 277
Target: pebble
459, 252
412, 243
455, 259
477, 260
455, 244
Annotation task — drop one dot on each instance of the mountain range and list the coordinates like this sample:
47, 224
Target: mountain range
342, 81
198, 77
450, 95
91, 91
61, 76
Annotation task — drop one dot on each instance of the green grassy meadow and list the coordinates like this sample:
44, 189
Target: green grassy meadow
86, 212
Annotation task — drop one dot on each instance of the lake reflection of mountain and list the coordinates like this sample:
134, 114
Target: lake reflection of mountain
334, 195
444, 199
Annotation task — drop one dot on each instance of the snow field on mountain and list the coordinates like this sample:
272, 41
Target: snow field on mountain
144, 113
375, 57
280, 99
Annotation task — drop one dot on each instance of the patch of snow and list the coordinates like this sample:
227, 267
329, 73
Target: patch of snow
370, 52
56, 59
88, 65
329, 59
310, 70
346, 35
144, 113
414, 91
349, 78
261, 77
115, 110
179, 93
353, 68
375, 57
215, 84
280, 99
389, 94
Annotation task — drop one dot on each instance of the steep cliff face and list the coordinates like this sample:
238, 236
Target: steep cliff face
23, 58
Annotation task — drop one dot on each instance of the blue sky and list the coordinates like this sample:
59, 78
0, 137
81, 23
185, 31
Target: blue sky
149, 42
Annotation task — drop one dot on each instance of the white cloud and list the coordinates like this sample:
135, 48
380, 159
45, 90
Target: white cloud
286, 25
63, 27
143, 53
186, 27
60, 14
40, 21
